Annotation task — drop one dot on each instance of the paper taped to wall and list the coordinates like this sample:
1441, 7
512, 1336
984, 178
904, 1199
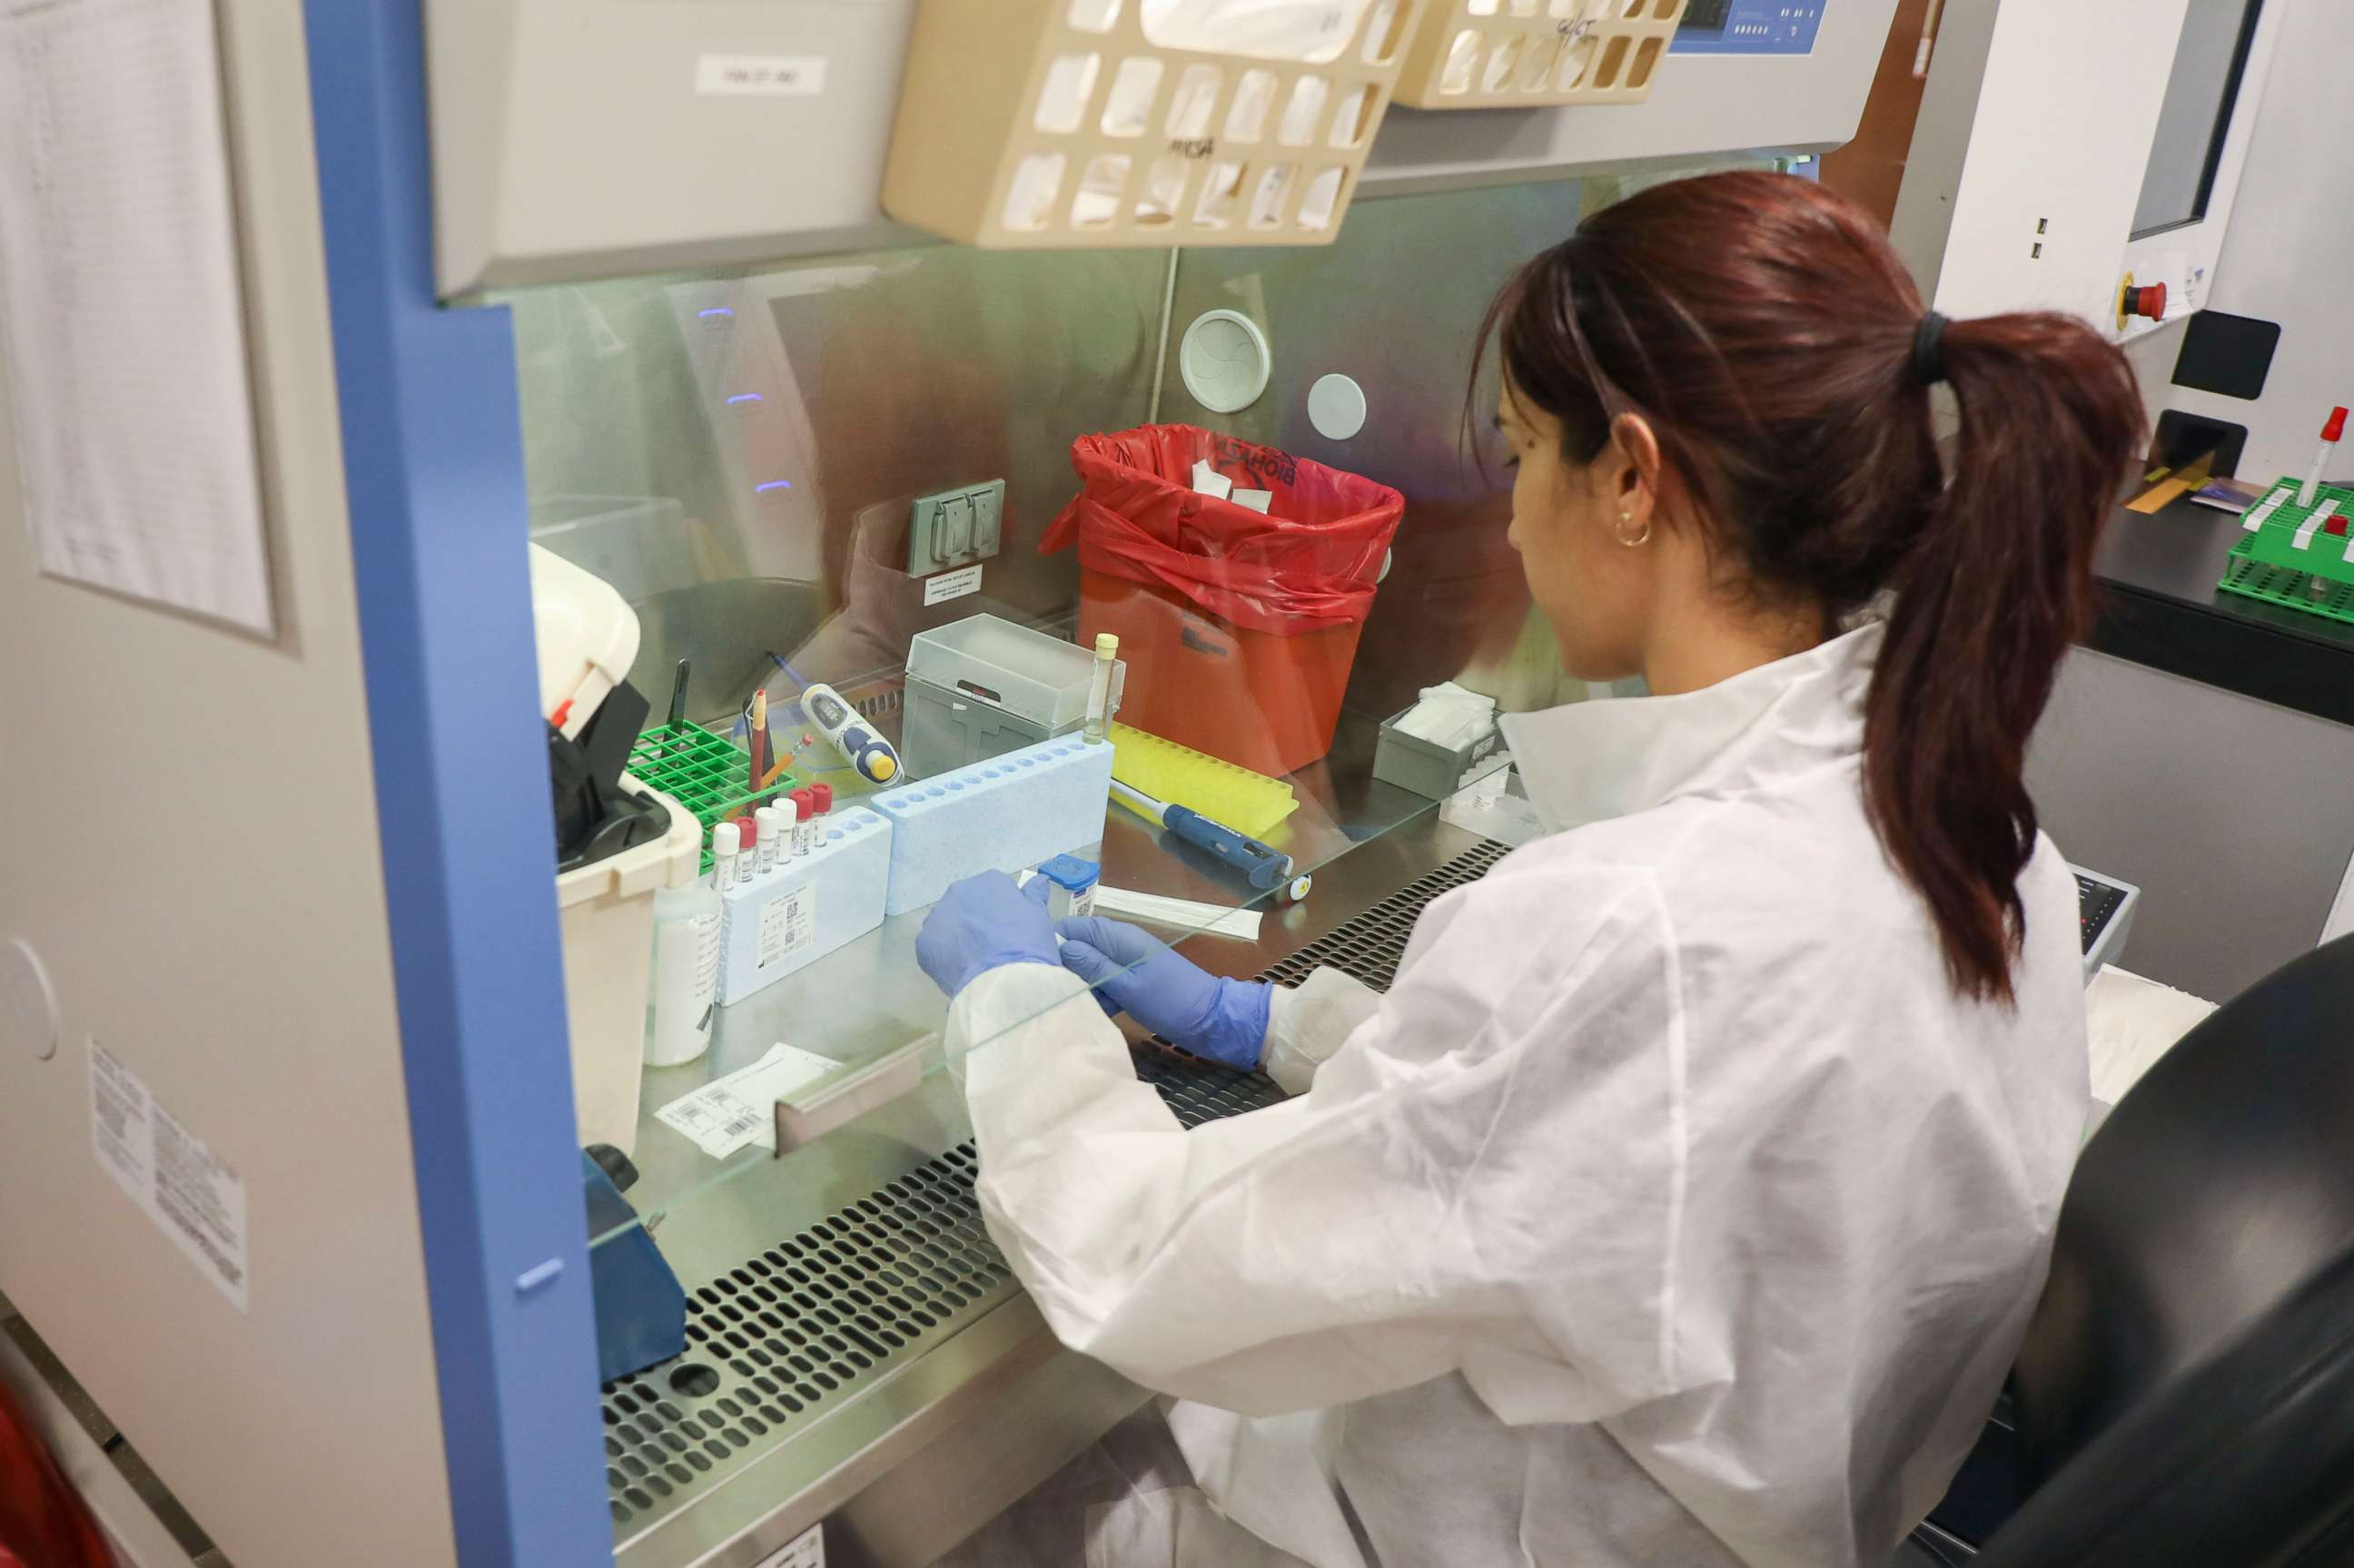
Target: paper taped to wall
121, 316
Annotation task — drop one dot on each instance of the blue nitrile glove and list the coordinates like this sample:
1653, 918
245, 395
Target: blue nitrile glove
1135, 972
981, 923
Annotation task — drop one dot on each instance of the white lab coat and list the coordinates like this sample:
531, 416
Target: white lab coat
1669, 1209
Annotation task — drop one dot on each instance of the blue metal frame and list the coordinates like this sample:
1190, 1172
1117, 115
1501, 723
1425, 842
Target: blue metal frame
433, 469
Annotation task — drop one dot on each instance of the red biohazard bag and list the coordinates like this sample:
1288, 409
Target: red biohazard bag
1309, 562
1239, 628
42, 1523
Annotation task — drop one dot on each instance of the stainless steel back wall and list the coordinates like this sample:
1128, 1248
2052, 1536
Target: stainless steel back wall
1394, 305
738, 452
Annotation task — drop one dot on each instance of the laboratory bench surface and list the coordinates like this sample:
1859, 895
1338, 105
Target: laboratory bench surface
869, 1000
959, 1400
2161, 608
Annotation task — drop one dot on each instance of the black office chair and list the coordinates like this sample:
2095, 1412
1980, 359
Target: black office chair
2185, 1398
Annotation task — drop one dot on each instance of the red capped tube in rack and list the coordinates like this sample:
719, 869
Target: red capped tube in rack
2330, 433
804, 820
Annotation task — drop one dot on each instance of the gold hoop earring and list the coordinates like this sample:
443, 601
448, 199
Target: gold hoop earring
1639, 540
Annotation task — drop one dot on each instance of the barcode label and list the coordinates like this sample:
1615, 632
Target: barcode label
729, 1113
788, 926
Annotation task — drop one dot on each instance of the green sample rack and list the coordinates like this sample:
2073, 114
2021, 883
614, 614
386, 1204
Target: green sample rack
2296, 557
706, 773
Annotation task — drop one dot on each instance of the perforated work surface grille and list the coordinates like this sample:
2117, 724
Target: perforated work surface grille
804, 1324
1370, 946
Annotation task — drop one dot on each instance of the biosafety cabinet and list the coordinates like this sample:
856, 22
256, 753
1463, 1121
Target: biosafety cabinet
286, 1077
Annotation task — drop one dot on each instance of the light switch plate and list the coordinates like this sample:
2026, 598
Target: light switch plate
955, 528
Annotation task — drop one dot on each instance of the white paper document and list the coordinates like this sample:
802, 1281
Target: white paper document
740, 1109
122, 321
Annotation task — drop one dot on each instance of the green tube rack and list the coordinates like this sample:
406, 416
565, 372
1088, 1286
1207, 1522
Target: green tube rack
2267, 562
706, 773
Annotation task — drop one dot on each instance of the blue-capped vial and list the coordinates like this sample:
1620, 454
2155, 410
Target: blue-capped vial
1071, 885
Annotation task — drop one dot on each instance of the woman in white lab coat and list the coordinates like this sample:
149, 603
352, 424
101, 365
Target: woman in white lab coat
1684, 1199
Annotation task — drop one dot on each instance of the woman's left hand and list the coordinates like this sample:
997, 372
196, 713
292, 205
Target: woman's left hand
983, 922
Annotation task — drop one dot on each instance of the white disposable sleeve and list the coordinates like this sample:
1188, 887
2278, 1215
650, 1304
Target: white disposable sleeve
1377, 1231
1305, 1025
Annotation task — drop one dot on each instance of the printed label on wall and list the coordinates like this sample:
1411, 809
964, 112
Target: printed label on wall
788, 925
770, 76
952, 585
166, 1170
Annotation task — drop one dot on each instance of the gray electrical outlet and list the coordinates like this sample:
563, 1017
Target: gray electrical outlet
955, 528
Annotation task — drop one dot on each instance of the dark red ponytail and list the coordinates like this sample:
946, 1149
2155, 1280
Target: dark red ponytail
1767, 332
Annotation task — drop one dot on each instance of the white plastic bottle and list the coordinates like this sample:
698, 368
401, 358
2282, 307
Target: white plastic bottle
682, 999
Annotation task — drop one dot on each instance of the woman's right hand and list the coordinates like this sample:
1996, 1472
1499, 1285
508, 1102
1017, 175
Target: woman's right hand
1133, 972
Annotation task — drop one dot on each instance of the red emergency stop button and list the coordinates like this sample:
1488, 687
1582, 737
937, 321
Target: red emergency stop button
2148, 301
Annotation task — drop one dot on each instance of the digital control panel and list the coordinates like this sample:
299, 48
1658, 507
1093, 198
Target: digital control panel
1749, 27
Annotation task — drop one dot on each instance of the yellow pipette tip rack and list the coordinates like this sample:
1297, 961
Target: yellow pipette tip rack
1251, 803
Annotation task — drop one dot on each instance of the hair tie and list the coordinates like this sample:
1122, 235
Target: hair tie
1929, 350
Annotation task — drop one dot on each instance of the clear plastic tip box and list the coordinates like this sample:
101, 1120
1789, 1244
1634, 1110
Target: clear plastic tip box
985, 686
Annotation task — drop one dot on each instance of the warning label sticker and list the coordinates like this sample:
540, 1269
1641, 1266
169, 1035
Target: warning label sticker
193, 1197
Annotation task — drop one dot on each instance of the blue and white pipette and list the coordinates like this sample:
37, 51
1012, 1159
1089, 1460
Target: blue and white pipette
1263, 866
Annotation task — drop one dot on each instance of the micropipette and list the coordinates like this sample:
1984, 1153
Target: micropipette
839, 723
1265, 867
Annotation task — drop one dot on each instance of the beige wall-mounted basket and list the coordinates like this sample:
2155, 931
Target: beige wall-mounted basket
1035, 123
1486, 54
